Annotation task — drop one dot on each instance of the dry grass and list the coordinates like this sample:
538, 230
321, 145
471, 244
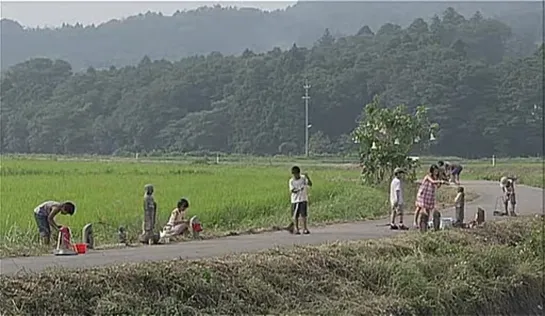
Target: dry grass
497, 270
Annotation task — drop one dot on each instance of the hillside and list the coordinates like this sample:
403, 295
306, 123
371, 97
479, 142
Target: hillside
485, 104
231, 30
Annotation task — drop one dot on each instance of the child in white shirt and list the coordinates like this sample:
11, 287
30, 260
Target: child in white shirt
396, 199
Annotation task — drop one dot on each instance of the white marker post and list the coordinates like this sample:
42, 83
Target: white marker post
493, 160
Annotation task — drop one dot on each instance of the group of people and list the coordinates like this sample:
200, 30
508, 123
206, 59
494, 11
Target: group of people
438, 174
426, 195
177, 225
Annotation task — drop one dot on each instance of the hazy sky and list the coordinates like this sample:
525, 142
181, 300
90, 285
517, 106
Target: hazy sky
86, 12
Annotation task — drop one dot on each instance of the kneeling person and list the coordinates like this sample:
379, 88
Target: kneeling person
45, 214
177, 224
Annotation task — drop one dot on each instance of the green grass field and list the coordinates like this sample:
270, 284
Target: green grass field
231, 196
226, 198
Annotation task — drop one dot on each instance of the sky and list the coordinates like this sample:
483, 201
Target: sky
52, 14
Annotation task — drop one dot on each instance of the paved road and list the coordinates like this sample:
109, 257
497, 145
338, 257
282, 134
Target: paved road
530, 201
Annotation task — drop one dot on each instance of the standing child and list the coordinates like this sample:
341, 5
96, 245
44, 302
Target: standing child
396, 199
459, 203
298, 185
45, 214
509, 197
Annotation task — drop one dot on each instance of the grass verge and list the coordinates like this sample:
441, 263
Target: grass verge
497, 270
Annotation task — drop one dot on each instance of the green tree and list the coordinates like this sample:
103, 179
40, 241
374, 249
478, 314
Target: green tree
387, 136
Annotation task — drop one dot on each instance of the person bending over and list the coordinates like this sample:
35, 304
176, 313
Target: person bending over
45, 214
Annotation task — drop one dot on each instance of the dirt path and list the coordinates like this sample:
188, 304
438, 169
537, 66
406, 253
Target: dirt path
530, 201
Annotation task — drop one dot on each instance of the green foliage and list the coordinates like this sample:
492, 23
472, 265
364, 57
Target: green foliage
251, 104
386, 137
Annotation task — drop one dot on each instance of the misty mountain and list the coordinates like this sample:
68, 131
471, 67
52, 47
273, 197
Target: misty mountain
232, 30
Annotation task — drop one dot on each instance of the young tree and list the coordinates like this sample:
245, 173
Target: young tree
386, 137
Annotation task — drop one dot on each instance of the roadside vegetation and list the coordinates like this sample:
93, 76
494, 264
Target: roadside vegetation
496, 270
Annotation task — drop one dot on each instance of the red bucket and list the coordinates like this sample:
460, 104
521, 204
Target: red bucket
81, 248
197, 227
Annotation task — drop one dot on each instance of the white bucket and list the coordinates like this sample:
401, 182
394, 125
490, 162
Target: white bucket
446, 223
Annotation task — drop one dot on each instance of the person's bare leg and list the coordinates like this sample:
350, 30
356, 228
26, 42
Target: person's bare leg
506, 205
305, 228
393, 216
416, 216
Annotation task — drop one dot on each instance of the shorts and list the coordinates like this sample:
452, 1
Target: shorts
43, 225
299, 209
456, 171
510, 198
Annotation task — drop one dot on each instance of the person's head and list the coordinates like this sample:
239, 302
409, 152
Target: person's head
68, 208
296, 172
398, 172
183, 204
460, 189
148, 189
440, 163
434, 171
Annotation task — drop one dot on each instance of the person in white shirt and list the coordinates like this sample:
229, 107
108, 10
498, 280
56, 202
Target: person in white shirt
298, 185
396, 199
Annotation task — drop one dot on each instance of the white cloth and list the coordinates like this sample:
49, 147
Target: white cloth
300, 185
395, 186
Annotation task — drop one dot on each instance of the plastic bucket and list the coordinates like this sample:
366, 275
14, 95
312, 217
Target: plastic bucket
81, 248
197, 227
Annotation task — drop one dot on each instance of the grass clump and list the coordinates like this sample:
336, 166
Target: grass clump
497, 270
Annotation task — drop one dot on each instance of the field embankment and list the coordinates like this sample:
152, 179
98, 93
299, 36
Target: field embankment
497, 270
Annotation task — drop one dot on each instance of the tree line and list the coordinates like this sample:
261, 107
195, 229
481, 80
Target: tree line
485, 101
231, 30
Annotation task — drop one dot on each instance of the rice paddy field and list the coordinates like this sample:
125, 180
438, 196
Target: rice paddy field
225, 197
228, 197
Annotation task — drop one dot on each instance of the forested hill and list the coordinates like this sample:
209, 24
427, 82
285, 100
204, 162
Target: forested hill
230, 30
484, 102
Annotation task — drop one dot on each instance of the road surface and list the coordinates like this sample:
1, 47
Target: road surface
530, 201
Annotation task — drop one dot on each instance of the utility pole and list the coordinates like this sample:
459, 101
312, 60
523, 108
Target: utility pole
306, 97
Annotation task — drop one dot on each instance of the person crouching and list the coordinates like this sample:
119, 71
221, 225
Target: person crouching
177, 224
